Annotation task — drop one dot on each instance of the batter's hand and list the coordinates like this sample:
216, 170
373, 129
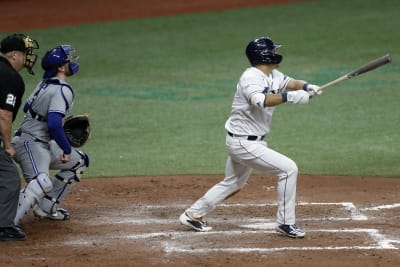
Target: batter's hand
313, 89
65, 158
298, 97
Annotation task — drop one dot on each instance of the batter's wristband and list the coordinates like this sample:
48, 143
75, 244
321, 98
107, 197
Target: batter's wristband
305, 86
284, 97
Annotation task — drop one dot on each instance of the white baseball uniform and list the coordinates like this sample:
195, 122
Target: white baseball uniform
246, 127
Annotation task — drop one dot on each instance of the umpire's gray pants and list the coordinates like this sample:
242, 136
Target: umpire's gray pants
10, 184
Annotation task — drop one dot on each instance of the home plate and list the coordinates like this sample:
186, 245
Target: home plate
260, 226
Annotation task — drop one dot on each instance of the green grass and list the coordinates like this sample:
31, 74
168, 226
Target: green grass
159, 89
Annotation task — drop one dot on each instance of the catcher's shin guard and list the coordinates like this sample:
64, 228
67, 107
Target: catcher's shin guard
31, 194
62, 185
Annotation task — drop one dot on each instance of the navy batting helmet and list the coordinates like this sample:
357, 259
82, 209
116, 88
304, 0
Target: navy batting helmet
57, 57
262, 51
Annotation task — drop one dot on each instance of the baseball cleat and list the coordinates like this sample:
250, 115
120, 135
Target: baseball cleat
290, 230
196, 224
59, 215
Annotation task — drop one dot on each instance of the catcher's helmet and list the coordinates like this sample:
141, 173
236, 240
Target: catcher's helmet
23, 43
57, 57
262, 51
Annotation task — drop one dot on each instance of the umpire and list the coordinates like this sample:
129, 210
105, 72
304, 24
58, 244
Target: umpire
16, 52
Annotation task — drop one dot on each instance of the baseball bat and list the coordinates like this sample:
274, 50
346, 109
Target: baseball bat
376, 63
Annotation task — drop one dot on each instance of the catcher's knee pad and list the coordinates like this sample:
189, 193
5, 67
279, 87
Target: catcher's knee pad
31, 194
62, 186
39, 186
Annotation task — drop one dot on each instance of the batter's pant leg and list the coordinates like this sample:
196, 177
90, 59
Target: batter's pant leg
236, 176
273, 163
10, 184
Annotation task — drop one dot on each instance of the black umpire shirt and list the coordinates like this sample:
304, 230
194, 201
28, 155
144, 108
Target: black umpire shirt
12, 87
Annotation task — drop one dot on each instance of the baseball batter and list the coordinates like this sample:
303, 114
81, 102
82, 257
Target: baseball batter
41, 144
260, 89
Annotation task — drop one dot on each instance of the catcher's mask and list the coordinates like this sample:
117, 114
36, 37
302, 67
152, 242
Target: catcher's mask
57, 57
262, 51
23, 43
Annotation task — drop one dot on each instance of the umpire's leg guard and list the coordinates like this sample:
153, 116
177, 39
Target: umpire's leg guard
32, 193
62, 185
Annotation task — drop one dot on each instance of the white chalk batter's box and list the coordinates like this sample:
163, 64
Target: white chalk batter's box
241, 228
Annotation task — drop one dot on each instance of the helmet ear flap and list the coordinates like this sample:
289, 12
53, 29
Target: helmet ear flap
275, 58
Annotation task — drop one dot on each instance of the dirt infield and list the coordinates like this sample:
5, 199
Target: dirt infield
350, 221
32, 14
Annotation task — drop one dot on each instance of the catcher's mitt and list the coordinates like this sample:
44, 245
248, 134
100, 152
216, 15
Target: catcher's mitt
77, 129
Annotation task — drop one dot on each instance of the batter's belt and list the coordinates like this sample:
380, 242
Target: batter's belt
248, 137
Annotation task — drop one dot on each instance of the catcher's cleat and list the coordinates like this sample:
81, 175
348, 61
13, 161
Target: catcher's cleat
59, 215
290, 230
194, 223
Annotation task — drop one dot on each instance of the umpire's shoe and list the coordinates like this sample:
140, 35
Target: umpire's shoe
13, 233
291, 230
194, 223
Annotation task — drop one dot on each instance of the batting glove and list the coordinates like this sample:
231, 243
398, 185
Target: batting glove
312, 89
297, 97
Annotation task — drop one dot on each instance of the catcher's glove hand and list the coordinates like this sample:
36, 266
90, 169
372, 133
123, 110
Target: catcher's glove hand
77, 129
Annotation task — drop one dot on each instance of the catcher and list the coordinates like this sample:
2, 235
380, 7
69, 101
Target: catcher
42, 144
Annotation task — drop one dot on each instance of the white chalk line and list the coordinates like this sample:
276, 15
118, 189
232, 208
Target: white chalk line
265, 250
381, 243
132, 218
176, 240
135, 216
396, 205
169, 221
265, 225
301, 203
